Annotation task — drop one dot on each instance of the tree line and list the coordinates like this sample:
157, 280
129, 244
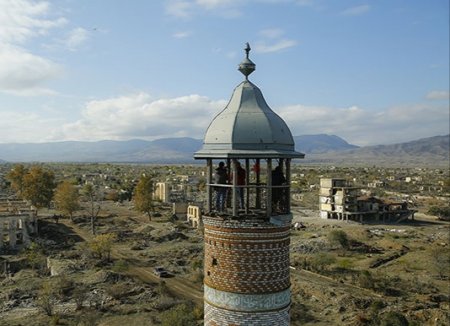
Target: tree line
38, 186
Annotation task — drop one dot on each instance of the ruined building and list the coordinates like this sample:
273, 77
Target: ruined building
247, 215
339, 199
17, 223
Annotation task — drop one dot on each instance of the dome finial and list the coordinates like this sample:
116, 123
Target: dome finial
247, 49
246, 67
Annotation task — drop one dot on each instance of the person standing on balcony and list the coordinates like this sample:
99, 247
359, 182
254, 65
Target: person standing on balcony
221, 178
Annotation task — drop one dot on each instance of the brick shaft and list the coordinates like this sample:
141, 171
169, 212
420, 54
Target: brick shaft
250, 258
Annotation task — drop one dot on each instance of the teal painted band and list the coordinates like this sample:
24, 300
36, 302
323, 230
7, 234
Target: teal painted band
247, 302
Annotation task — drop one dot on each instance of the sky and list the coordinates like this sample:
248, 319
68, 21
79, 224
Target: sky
371, 72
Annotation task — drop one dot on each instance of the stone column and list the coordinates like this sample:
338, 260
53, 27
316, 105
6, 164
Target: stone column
12, 232
25, 236
1, 233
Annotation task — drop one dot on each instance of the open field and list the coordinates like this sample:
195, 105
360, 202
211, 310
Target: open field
330, 284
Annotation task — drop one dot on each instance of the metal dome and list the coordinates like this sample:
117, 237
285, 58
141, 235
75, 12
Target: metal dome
248, 128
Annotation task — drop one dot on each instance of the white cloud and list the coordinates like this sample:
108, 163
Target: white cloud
183, 34
364, 127
264, 47
76, 37
189, 8
179, 8
356, 11
22, 19
272, 41
305, 3
272, 32
213, 4
438, 95
22, 72
24, 127
139, 116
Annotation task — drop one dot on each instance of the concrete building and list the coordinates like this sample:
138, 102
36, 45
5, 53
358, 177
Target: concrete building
339, 199
194, 216
162, 192
17, 223
247, 231
179, 209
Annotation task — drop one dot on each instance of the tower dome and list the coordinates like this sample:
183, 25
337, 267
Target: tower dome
248, 127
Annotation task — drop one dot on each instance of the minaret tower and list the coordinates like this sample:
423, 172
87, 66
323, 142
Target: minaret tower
246, 265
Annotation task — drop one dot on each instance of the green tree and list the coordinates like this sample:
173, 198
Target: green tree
38, 186
15, 177
34, 256
101, 245
143, 196
93, 208
47, 298
180, 315
67, 198
339, 237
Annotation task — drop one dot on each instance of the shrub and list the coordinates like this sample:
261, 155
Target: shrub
394, 318
345, 264
79, 295
101, 245
61, 285
120, 266
35, 257
162, 289
443, 213
180, 315
366, 280
117, 291
321, 260
196, 264
339, 237
46, 298
441, 260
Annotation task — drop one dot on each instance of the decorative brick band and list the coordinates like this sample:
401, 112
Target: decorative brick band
248, 223
247, 302
215, 316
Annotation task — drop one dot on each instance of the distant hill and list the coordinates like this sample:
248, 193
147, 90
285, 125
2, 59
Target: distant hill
321, 148
136, 150
321, 143
432, 151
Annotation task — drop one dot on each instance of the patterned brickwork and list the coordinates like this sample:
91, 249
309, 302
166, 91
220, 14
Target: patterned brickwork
215, 316
246, 271
246, 256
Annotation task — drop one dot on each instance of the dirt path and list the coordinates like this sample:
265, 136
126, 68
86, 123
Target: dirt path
318, 279
184, 288
178, 285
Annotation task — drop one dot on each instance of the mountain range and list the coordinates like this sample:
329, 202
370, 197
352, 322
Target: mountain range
320, 148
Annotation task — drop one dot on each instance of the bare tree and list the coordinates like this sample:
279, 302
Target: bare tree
93, 208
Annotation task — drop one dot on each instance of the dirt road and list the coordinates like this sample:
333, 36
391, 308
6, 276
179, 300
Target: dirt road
178, 285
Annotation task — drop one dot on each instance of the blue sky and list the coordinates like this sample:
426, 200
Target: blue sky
372, 72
